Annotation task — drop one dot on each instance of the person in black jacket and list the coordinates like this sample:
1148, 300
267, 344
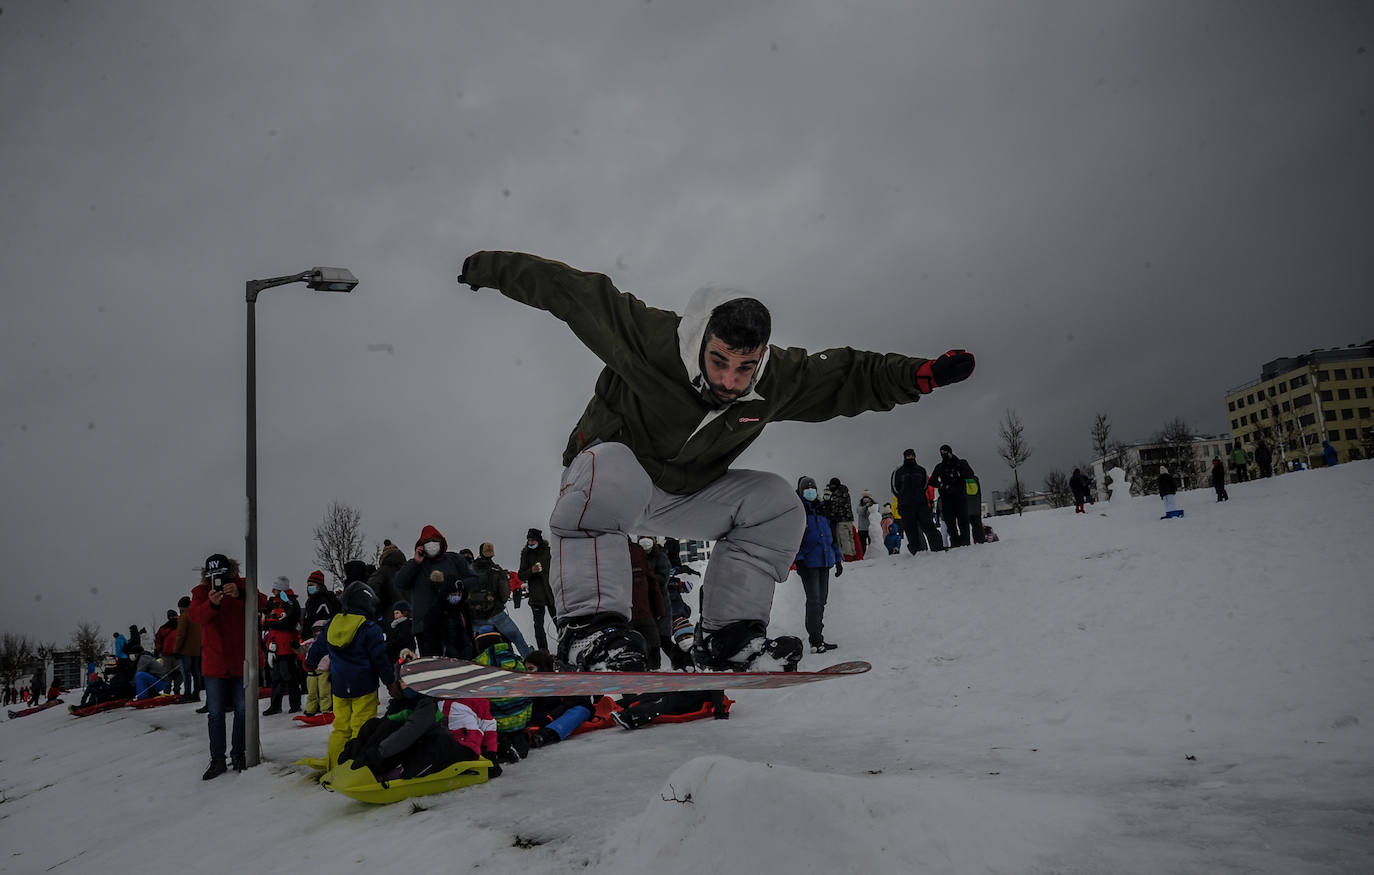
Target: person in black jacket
960, 500
534, 575
909, 486
1219, 480
1168, 487
1078, 485
435, 583
382, 580
320, 603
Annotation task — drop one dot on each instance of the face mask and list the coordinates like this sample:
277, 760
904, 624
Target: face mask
646, 543
431, 549
533, 545
809, 494
312, 590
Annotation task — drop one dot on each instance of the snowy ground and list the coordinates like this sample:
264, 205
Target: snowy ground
1107, 693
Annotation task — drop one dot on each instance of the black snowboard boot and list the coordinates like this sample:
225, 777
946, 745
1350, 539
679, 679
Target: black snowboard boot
604, 642
744, 645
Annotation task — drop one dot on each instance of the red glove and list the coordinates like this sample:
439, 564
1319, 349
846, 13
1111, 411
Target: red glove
951, 367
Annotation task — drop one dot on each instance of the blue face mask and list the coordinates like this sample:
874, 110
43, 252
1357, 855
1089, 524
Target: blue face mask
809, 494
312, 589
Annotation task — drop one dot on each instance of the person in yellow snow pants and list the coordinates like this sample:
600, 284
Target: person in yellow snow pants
358, 662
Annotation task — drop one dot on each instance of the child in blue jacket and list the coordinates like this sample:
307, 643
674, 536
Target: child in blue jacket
358, 664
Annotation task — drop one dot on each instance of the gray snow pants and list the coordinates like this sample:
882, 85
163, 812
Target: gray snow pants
754, 517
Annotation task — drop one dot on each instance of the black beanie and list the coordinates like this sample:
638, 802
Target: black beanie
908, 453
534, 535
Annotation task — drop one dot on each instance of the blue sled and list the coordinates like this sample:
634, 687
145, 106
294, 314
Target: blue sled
1173, 514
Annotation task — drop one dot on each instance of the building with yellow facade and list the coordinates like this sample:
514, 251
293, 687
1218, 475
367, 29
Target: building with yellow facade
1299, 402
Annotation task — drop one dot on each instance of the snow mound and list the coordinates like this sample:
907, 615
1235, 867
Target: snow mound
759, 817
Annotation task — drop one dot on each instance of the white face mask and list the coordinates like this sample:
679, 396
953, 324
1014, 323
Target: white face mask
431, 549
647, 544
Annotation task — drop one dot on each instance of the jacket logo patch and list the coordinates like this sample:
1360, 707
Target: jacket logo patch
748, 419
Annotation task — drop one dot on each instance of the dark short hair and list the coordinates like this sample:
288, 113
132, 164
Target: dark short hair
741, 323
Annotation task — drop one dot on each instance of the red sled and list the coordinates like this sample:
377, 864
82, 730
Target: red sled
322, 719
154, 701
97, 708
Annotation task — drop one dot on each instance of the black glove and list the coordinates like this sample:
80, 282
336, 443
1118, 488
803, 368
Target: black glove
370, 758
495, 770
467, 269
839, 568
952, 367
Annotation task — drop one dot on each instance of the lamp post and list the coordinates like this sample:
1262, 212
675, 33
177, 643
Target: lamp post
320, 279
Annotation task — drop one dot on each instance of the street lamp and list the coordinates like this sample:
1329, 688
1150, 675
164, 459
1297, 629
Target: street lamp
320, 279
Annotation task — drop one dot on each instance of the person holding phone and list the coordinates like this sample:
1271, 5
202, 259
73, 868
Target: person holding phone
217, 607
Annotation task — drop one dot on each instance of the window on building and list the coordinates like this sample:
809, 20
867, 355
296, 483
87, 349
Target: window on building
1264, 414
1329, 414
1364, 413
1287, 406
1338, 374
1271, 392
1302, 401
1326, 394
1361, 392
1307, 419
1323, 376
1351, 434
1343, 394
1283, 387
1357, 373
1347, 413
1240, 402
1235, 424
1253, 419
1300, 380
1250, 399
1231, 406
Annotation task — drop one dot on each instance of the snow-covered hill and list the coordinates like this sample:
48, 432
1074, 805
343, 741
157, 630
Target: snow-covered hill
1100, 693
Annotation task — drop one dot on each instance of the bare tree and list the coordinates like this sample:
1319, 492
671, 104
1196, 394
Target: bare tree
1015, 450
1057, 487
42, 652
1180, 449
16, 653
339, 538
87, 642
1102, 436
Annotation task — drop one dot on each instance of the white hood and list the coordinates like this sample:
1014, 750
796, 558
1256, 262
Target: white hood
691, 335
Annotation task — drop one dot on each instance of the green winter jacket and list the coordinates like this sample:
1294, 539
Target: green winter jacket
652, 395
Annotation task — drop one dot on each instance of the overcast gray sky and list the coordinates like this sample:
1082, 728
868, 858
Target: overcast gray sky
1119, 207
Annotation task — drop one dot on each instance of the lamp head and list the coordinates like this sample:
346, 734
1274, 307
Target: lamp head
331, 279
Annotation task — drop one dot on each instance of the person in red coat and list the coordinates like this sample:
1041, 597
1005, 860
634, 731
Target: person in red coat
217, 607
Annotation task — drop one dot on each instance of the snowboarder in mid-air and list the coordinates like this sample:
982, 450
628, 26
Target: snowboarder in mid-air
680, 397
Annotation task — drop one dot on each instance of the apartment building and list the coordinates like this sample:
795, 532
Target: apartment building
1300, 401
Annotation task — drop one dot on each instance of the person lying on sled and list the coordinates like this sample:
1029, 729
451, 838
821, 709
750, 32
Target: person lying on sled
410, 741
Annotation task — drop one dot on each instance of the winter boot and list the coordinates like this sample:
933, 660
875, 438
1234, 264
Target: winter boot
823, 647
239, 762
216, 769
604, 642
744, 645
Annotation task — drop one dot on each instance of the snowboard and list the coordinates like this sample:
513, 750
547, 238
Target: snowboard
458, 678
34, 710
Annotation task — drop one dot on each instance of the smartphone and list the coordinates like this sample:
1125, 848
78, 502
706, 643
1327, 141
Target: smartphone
217, 584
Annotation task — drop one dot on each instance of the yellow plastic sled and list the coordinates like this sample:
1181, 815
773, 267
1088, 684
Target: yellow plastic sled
362, 785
